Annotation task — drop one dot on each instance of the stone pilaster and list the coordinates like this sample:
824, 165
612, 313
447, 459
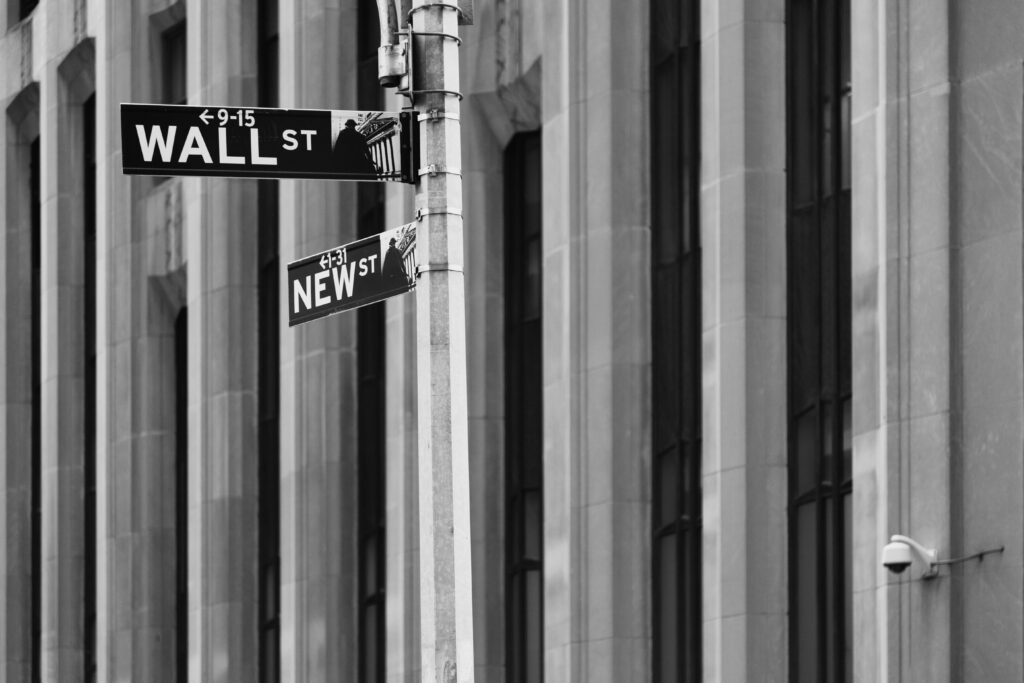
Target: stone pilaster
938, 336
66, 84
21, 125
221, 244
743, 242
596, 308
319, 446
135, 373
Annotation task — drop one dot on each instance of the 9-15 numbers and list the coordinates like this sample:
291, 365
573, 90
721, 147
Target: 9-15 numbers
243, 117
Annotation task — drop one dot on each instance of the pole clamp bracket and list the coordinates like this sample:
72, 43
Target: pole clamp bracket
428, 5
445, 210
435, 169
437, 267
436, 115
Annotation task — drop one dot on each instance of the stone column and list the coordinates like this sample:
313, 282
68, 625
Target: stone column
743, 243
319, 477
64, 88
988, 117
21, 124
937, 353
221, 243
596, 346
134, 379
904, 334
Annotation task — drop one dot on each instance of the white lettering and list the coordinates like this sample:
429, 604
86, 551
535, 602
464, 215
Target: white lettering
194, 144
344, 277
290, 142
303, 294
320, 287
372, 260
254, 138
309, 138
156, 138
225, 158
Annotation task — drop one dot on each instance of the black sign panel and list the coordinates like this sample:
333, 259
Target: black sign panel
352, 275
267, 143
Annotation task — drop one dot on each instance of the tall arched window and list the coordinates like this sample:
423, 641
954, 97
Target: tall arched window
676, 340
524, 472
371, 397
269, 367
819, 334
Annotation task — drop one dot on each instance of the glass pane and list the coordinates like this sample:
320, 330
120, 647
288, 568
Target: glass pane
664, 27
667, 596
805, 589
666, 209
689, 344
534, 628
847, 440
532, 281
845, 133
667, 478
848, 585
666, 378
532, 190
270, 586
802, 105
533, 530
827, 475
370, 645
370, 566
805, 297
516, 608
831, 584
806, 452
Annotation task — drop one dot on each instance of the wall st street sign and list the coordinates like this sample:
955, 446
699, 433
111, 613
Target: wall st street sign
352, 275
252, 142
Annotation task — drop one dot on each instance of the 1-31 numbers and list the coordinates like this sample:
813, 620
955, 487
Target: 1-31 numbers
243, 117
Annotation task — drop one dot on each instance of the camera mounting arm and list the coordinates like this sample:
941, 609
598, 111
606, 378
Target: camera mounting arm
929, 555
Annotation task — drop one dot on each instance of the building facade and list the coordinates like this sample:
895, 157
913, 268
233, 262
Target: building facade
744, 298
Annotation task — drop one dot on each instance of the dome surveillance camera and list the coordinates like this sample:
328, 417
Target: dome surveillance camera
896, 557
899, 553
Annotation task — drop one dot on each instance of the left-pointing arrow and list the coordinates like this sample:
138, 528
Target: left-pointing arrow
205, 116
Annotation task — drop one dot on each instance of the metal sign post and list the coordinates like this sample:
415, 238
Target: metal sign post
446, 577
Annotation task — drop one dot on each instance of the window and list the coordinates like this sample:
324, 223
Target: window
819, 339
35, 177
523, 411
371, 396
676, 341
181, 492
269, 365
174, 65
89, 331
25, 8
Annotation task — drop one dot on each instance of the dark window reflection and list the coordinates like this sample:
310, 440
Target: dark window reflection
676, 340
524, 410
820, 445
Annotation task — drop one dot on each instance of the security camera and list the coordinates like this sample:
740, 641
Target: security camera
896, 557
899, 553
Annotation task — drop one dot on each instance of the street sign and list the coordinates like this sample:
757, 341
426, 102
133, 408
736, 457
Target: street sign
353, 275
251, 142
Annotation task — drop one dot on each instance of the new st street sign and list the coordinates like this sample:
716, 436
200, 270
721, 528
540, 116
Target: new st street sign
242, 142
353, 275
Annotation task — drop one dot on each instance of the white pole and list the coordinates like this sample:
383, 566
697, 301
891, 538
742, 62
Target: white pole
446, 577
